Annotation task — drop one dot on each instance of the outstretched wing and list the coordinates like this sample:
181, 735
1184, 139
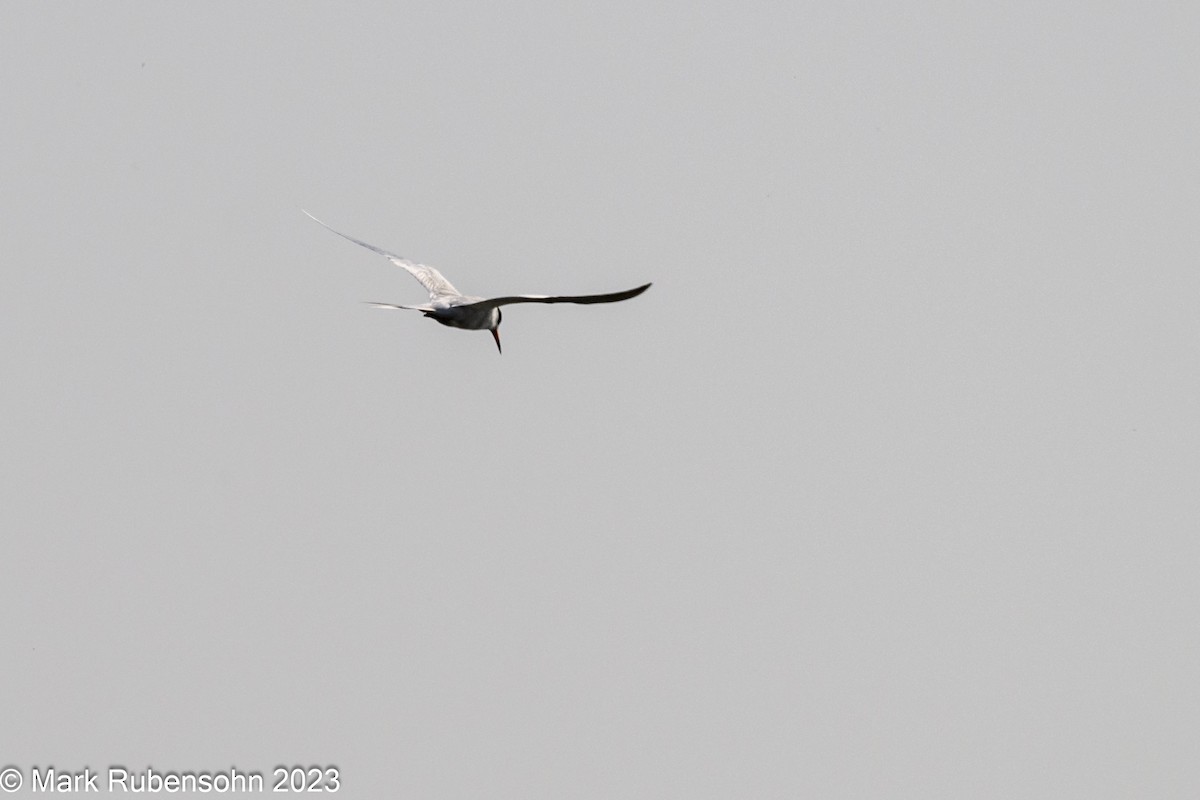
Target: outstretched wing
430, 278
393, 305
583, 299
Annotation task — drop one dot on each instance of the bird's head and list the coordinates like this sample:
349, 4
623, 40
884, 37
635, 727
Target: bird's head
495, 329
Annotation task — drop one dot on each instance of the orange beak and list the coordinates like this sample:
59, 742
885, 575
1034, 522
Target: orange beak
496, 336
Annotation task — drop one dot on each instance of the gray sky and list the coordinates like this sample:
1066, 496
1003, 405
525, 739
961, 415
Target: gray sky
887, 488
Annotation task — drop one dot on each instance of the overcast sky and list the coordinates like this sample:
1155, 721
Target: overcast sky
887, 488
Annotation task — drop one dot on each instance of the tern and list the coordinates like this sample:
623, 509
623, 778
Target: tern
451, 307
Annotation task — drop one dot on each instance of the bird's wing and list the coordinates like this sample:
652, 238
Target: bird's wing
393, 305
583, 299
430, 278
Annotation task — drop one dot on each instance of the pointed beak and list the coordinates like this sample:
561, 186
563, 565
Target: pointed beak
496, 336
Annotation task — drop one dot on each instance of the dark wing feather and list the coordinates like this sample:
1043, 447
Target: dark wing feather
583, 299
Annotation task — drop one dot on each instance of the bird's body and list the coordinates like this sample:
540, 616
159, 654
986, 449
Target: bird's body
459, 312
451, 307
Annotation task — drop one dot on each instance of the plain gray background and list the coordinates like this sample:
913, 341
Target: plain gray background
887, 488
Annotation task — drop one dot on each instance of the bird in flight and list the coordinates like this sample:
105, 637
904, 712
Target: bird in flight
451, 307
